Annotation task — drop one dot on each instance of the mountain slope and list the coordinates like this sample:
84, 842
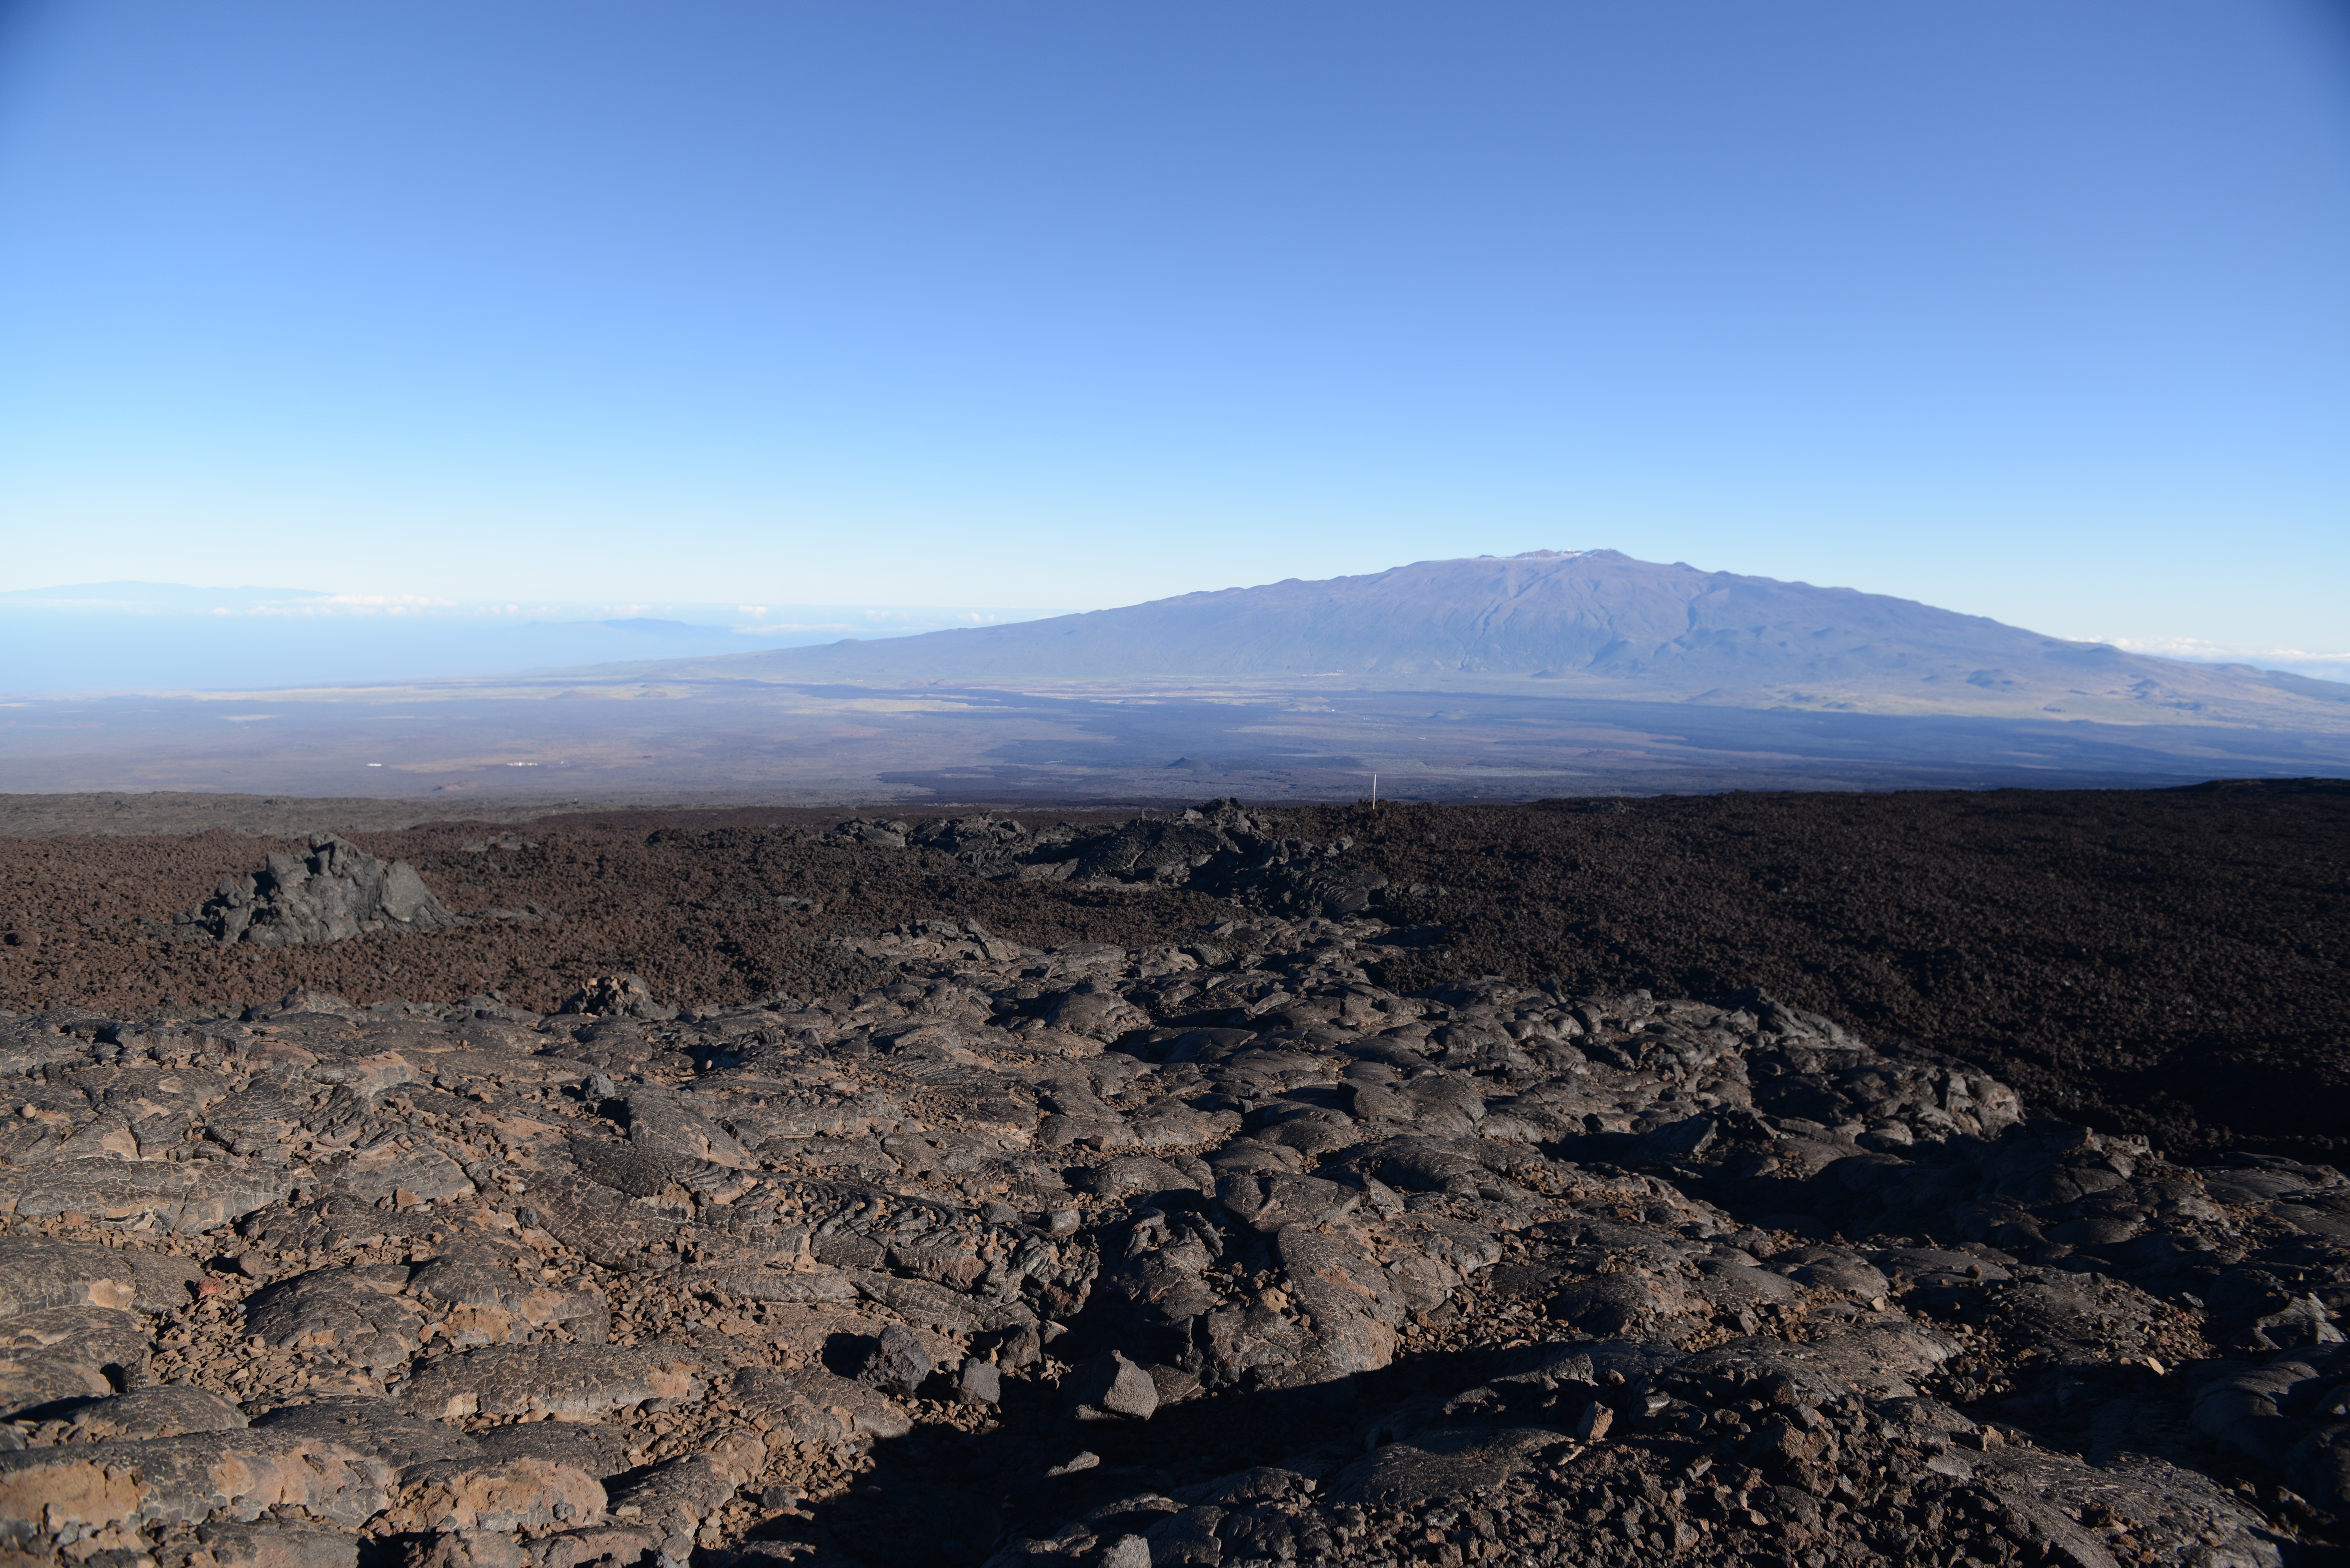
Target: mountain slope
1595, 621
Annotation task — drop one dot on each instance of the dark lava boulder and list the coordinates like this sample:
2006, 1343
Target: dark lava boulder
335, 891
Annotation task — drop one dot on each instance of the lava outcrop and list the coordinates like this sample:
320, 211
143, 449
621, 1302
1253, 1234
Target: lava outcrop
335, 892
1221, 849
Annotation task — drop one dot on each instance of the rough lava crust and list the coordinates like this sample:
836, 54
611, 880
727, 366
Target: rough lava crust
1217, 1253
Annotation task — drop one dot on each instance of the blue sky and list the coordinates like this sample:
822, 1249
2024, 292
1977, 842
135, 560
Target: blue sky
2033, 310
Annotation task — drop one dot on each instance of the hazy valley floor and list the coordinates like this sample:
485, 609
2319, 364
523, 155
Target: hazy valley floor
629, 739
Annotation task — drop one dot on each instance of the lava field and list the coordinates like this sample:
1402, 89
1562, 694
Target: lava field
1922, 1179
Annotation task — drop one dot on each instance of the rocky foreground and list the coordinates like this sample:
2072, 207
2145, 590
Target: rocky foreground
1216, 1253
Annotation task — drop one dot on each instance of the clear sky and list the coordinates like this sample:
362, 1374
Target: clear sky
2040, 310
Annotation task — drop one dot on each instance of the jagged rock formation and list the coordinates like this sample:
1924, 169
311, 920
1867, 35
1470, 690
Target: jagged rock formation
1217, 1253
335, 891
1220, 849
618, 996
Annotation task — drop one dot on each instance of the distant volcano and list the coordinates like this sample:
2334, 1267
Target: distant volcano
1592, 622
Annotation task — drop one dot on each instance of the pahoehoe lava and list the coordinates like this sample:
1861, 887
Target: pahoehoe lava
1783, 1179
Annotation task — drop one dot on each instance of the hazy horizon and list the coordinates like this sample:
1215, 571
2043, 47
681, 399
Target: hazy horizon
179, 637
1554, 673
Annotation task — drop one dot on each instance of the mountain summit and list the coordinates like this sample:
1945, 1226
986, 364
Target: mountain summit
1595, 622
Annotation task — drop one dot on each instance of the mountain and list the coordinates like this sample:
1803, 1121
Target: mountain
1586, 622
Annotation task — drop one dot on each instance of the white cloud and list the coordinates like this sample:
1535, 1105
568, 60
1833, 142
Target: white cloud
2327, 666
